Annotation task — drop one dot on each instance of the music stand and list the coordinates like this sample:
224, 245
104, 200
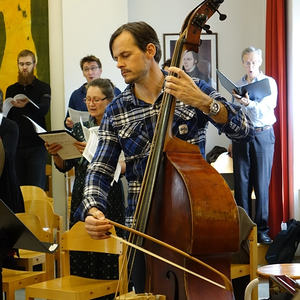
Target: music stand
15, 235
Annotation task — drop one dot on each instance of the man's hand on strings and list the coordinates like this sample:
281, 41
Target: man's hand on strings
97, 225
184, 89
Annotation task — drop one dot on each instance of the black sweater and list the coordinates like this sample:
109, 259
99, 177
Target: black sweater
39, 92
10, 191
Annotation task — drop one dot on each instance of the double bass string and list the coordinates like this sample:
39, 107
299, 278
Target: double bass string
150, 175
164, 123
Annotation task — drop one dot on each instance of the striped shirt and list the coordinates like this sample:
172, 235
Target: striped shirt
128, 124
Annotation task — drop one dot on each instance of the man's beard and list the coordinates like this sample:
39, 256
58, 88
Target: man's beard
27, 79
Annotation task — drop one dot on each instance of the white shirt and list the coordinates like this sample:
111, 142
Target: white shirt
261, 113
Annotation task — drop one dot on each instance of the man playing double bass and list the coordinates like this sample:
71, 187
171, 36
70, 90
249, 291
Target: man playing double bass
130, 119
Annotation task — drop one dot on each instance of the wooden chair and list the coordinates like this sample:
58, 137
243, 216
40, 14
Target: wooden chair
248, 239
75, 287
44, 210
31, 192
51, 223
13, 280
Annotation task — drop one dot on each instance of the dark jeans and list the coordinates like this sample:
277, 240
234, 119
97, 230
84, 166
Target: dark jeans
31, 165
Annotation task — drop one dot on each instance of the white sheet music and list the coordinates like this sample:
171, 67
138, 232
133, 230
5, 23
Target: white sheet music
75, 115
92, 143
37, 127
7, 104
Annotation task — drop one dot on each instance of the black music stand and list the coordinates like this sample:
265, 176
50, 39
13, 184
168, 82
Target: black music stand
15, 235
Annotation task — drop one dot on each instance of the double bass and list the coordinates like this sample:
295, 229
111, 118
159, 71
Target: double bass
183, 201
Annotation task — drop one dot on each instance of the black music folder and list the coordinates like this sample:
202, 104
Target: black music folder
17, 235
256, 90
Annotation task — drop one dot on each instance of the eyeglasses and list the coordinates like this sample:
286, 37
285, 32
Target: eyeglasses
94, 100
251, 63
93, 69
27, 64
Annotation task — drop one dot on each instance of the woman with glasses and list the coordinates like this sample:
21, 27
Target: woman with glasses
100, 93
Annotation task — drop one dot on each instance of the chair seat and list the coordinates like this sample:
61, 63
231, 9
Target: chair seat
28, 259
72, 287
21, 278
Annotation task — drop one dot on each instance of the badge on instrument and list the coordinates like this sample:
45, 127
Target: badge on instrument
183, 129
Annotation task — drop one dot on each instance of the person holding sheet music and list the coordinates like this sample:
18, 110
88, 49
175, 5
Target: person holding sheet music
31, 155
91, 69
252, 160
10, 191
100, 93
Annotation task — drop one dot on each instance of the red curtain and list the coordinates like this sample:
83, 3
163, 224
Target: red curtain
276, 68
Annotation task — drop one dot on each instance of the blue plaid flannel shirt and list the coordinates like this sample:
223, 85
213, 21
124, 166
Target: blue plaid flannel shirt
128, 124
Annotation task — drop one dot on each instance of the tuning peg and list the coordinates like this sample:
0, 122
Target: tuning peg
206, 27
216, 4
222, 17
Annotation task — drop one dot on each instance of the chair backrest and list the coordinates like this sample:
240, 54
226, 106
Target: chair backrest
31, 192
77, 239
50, 221
32, 222
247, 228
44, 210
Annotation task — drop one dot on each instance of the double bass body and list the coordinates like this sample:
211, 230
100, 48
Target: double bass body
193, 210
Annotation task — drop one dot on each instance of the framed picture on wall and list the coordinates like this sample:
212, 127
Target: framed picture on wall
201, 65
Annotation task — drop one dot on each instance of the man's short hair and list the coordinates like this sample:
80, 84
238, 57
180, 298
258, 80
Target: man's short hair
90, 58
26, 52
142, 33
251, 49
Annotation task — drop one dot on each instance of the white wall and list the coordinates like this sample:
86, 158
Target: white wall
87, 27
244, 26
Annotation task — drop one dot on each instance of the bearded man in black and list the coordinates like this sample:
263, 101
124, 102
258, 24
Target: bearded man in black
32, 99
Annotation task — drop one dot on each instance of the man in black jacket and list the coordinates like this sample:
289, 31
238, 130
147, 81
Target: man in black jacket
33, 101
